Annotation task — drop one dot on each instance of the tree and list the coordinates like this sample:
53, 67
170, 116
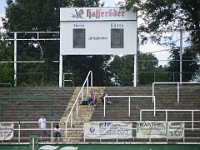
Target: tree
7, 70
148, 69
122, 69
160, 18
189, 67
44, 15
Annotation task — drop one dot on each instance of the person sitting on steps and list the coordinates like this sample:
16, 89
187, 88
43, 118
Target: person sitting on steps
92, 98
101, 98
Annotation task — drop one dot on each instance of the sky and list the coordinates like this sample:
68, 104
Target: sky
149, 47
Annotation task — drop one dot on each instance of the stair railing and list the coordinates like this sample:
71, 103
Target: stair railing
129, 102
80, 94
172, 110
178, 87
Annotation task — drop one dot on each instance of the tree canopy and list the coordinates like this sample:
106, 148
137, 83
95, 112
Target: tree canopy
44, 15
160, 18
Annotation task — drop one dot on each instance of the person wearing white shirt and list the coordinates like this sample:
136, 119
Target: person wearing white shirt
42, 127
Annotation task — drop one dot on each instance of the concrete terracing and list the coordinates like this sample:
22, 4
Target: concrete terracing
63, 99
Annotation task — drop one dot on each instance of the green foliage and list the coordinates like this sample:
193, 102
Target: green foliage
81, 65
44, 15
189, 67
7, 73
122, 69
160, 16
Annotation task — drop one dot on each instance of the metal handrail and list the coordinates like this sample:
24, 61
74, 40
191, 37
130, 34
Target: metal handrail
51, 128
90, 73
178, 89
68, 80
129, 102
171, 110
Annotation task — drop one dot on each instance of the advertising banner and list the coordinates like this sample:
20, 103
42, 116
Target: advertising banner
6, 131
176, 130
154, 129
149, 129
107, 130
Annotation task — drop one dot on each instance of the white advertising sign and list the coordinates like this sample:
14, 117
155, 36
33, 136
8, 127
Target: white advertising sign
176, 130
151, 129
97, 25
107, 130
6, 131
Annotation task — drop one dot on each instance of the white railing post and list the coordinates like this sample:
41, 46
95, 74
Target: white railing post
19, 127
153, 91
140, 115
33, 143
71, 119
178, 92
192, 120
91, 79
104, 106
154, 105
52, 131
129, 106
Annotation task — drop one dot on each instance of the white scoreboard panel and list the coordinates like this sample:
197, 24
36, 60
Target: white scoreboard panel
97, 31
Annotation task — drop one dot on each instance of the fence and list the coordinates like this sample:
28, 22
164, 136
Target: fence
172, 110
148, 77
177, 83
23, 131
129, 102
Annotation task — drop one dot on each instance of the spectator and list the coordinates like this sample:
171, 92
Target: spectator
101, 98
57, 133
92, 98
42, 127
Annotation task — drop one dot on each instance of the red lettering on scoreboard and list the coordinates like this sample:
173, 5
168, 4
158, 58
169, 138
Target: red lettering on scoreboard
97, 38
99, 13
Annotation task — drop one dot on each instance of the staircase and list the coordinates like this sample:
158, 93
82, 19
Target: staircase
84, 114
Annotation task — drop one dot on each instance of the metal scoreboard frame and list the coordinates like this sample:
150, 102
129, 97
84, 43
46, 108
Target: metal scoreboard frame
97, 31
